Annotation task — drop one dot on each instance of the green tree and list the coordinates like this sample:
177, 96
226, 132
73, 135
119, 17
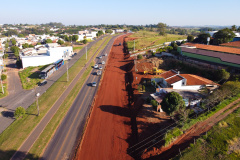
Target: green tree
172, 102
162, 28
85, 41
13, 41
19, 112
190, 38
66, 38
223, 36
75, 38
169, 48
6, 45
25, 45
48, 41
109, 31
100, 33
15, 50
20, 35
60, 42
139, 56
234, 28
202, 38
31, 46
154, 104
223, 74
3, 77
38, 43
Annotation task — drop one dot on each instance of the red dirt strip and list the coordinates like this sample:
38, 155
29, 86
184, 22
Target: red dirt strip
109, 125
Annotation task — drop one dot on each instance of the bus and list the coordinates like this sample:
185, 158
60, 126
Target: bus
58, 64
47, 72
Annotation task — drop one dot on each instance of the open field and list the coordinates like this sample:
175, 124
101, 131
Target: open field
18, 131
146, 39
77, 48
44, 138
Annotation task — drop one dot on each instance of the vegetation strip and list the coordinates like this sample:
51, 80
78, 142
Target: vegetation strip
9, 139
48, 132
221, 142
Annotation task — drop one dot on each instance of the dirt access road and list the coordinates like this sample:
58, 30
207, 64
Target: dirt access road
108, 130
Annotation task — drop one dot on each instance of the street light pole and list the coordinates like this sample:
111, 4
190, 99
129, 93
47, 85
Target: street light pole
1, 82
37, 95
134, 46
86, 52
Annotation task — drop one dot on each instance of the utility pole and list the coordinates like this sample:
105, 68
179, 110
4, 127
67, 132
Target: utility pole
86, 52
67, 71
134, 46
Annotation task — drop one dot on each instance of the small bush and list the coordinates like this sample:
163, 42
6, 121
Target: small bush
143, 87
20, 112
154, 104
3, 77
5, 55
153, 53
139, 56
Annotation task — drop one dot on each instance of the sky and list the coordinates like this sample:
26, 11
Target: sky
131, 12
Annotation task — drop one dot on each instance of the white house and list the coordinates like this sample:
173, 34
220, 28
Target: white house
33, 57
175, 80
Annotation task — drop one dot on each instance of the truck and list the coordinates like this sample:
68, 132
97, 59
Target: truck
154, 71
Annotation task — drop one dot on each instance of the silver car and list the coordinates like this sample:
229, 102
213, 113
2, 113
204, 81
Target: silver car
94, 84
95, 66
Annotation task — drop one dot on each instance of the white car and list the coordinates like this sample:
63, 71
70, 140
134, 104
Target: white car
103, 62
100, 67
95, 66
99, 72
100, 57
94, 84
105, 54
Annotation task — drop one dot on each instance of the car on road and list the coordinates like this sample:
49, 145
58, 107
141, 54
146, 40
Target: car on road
100, 57
103, 62
94, 84
95, 66
100, 67
99, 72
43, 83
105, 54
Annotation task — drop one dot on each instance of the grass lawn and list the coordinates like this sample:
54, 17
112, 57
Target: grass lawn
147, 39
30, 76
77, 48
221, 142
17, 132
5, 90
44, 138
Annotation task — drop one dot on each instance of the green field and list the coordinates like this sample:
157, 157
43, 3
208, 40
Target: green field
221, 142
147, 39
17, 132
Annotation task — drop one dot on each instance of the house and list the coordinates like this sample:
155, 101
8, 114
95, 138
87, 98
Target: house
175, 80
214, 55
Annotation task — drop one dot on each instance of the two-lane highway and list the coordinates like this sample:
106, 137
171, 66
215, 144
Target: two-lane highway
65, 140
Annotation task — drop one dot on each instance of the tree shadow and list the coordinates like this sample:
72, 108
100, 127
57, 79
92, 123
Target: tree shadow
6, 155
8, 114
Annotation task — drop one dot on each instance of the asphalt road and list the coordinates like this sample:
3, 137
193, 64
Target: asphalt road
65, 140
25, 98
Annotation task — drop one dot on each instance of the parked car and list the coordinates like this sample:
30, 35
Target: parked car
94, 84
103, 62
43, 83
99, 72
100, 67
95, 66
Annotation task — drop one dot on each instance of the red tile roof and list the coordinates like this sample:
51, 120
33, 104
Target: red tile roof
174, 79
232, 44
215, 48
196, 80
168, 74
